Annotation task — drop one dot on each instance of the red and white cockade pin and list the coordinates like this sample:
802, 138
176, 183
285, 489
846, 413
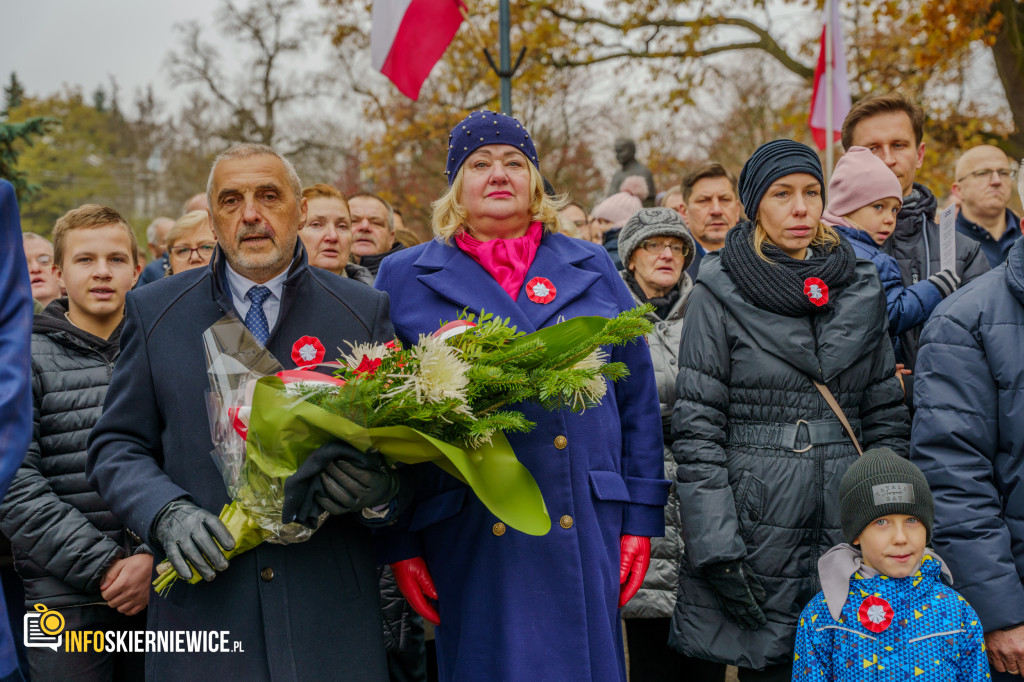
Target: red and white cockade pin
875, 614
816, 291
540, 290
308, 351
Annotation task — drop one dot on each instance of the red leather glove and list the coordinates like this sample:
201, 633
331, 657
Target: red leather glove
416, 585
636, 557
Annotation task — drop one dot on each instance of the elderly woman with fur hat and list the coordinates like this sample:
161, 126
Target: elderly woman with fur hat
512, 606
785, 337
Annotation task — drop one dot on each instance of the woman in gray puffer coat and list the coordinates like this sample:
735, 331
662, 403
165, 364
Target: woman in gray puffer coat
784, 305
656, 247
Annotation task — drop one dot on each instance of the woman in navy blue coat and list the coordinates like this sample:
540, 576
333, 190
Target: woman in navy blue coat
513, 606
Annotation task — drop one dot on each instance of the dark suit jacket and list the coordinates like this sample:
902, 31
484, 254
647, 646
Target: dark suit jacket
302, 611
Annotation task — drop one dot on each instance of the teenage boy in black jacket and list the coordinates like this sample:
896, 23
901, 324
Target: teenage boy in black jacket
72, 553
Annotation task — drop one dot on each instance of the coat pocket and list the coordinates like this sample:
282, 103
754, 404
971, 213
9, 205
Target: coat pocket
438, 508
608, 486
749, 504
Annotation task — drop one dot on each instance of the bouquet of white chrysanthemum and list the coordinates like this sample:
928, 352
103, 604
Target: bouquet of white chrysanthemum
445, 400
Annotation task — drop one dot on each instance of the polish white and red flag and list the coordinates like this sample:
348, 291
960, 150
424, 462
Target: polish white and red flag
409, 37
839, 91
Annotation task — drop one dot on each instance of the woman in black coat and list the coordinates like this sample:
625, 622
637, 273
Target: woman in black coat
783, 305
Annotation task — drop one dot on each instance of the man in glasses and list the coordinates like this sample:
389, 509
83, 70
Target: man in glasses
984, 183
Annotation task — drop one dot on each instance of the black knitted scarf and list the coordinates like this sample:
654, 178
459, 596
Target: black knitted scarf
779, 286
662, 304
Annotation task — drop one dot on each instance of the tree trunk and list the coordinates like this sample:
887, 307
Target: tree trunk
1008, 51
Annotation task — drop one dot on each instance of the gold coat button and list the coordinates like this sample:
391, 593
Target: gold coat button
267, 574
498, 528
561, 442
565, 522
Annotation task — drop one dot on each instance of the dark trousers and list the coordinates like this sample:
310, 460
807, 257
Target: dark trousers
46, 665
783, 672
651, 659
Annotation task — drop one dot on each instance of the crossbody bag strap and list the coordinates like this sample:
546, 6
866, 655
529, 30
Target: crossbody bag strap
834, 404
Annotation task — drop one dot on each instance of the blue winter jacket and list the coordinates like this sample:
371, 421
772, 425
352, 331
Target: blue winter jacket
908, 306
968, 437
927, 632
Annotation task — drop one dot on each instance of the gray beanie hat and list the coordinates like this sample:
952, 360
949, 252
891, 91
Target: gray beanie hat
882, 483
654, 222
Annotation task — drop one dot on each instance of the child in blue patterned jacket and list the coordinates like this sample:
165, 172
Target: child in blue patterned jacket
884, 612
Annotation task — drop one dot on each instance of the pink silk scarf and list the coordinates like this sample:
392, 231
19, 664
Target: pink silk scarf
507, 260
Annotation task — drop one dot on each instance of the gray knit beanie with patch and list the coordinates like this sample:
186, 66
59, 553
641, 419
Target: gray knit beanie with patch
882, 483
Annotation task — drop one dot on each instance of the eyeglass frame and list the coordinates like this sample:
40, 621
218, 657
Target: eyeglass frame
656, 252
198, 250
1010, 174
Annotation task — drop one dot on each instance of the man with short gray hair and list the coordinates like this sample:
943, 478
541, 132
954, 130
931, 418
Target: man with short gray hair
156, 240
301, 611
373, 230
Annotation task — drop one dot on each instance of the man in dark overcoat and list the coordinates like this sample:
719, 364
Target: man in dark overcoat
301, 611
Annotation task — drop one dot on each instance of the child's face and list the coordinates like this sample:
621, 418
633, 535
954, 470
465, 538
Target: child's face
98, 270
893, 545
877, 218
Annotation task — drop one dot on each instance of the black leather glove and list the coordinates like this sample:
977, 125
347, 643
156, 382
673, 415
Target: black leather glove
356, 480
188, 535
739, 592
338, 478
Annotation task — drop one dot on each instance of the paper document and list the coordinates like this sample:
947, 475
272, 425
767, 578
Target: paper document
947, 238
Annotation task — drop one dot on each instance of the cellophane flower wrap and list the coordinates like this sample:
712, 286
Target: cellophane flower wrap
449, 399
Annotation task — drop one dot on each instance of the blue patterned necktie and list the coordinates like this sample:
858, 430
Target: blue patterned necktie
256, 319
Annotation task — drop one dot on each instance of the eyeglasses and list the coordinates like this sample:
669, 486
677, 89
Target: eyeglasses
651, 246
983, 174
42, 259
185, 252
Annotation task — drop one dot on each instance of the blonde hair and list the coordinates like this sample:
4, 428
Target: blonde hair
824, 236
89, 215
185, 225
448, 215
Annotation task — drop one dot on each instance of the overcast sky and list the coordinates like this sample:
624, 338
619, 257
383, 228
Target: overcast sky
52, 43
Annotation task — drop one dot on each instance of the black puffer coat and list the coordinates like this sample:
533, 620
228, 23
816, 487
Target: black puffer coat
745, 489
63, 534
915, 245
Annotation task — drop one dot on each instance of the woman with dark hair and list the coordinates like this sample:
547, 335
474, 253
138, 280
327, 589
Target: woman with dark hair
785, 338
512, 606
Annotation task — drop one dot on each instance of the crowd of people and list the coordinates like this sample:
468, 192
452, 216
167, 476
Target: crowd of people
810, 473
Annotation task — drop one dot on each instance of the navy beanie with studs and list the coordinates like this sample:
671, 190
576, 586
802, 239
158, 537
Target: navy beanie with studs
482, 128
771, 161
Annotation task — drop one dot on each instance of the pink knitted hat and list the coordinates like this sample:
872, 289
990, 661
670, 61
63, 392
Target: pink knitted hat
859, 179
618, 208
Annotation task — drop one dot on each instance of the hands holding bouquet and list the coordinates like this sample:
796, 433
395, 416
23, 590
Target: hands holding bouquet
295, 446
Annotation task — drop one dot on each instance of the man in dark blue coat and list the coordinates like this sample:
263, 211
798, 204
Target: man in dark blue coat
968, 439
984, 185
301, 611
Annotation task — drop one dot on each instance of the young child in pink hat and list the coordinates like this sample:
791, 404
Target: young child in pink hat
864, 197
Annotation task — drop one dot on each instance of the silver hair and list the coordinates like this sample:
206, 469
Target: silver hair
387, 206
151, 230
245, 150
32, 236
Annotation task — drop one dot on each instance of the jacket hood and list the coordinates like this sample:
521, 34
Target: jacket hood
53, 322
1015, 271
838, 565
824, 349
918, 208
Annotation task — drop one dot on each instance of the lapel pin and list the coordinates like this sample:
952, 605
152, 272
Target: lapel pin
540, 290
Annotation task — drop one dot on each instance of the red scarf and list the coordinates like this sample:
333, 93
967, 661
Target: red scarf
507, 260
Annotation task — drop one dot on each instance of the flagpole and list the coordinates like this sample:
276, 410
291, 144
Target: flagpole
829, 94
505, 57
